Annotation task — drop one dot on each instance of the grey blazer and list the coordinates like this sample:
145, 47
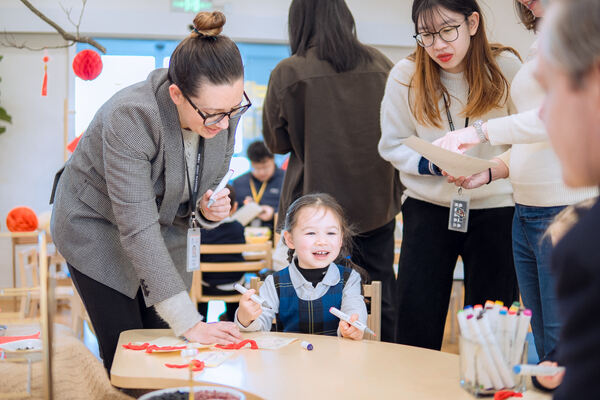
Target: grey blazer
117, 216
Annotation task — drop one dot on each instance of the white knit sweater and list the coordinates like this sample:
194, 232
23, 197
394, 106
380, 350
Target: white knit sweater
398, 123
535, 171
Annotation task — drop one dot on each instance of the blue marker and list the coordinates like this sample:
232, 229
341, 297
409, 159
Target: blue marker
306, 345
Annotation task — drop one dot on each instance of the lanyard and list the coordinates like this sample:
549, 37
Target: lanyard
450, 122
194, 192
261, 192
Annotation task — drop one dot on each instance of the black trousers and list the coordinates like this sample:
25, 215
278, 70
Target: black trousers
112, 312
427, 260
374, 251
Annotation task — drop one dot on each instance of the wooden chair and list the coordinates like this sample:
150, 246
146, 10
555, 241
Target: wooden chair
45, 319
372, 294
261, 257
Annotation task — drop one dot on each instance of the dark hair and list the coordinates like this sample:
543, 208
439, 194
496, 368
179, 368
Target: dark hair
205, 56
231, 194
257, 152
526, 16
488, 88
325, 201
329, 26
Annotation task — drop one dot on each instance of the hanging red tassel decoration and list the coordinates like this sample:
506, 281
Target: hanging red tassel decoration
87, 65
45, 82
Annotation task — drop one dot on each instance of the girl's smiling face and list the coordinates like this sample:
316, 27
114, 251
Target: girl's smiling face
316, 237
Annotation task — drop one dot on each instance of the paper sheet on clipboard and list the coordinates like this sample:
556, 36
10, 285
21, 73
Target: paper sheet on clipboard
453, 163
245, 214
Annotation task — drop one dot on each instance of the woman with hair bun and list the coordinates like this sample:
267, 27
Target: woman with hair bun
140, 178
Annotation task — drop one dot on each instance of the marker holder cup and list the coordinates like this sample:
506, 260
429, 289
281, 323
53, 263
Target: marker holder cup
472, 363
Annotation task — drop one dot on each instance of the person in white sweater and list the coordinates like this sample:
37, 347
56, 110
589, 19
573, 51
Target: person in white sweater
454, 76
539, 191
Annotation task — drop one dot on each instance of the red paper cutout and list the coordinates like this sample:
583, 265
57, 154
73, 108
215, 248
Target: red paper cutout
506, 394
237, 346
154, 347
8, 339
197, 365
45, 81
131, 346
71, 146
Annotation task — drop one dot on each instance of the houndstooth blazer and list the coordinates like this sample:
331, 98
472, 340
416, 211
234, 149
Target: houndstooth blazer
117, 216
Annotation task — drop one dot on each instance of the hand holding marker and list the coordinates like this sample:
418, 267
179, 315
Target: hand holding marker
344, 317
257, 299
220, 187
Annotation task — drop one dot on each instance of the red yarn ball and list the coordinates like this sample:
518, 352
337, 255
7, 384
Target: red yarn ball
87, 65
21, 219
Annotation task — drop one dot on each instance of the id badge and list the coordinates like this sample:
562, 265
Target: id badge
459, 213
193, 249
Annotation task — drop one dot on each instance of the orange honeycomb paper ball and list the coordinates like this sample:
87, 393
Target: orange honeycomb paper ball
21, 219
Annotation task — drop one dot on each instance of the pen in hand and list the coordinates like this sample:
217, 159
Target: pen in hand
345, 317
257, 299
220, 187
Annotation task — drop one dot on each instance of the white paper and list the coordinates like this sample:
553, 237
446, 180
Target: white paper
213, 358
453, 163
272, 342
245, 214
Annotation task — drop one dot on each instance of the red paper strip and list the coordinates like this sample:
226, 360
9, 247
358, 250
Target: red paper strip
506, 394
131, 346
197, 365
154, 347
237, 346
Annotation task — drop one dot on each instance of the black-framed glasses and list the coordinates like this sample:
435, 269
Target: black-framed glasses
447, 34
212, 119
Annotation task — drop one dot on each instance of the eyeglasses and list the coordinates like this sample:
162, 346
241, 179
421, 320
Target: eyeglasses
212, 119
447, 34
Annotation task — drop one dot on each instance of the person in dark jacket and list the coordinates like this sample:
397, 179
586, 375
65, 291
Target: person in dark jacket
322, 106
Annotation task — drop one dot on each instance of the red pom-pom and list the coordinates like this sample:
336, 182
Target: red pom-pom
46, 59
87, 65
21, 219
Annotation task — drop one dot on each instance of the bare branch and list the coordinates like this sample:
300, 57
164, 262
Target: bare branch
66, 35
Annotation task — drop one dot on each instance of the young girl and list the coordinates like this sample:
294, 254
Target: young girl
453, 79
302, 293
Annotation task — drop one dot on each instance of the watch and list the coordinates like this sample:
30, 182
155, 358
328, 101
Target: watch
478, 125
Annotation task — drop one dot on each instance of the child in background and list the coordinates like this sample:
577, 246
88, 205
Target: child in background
302, 293
229, 231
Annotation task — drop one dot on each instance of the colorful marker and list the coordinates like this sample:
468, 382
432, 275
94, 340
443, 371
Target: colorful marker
345, 317
220, 187
255, 298
537, 370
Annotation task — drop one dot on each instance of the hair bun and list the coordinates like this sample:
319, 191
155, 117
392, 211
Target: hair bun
209, 23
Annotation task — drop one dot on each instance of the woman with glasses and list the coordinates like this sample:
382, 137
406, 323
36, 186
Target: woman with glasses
453, 79
141, 179
322, 106
539, 192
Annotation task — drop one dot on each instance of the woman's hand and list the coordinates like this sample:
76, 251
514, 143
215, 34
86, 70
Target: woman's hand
500, 171
459, 141
248, 310
552, 381
220, 209
218, 332
350, 331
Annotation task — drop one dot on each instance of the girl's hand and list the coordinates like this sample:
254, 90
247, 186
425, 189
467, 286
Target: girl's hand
552, 381
248, 310
459, 141
350, 331
219, 210
218, 332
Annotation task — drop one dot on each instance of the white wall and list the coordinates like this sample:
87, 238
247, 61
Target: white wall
32, 148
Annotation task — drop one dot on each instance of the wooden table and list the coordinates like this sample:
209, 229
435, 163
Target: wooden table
336, 368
